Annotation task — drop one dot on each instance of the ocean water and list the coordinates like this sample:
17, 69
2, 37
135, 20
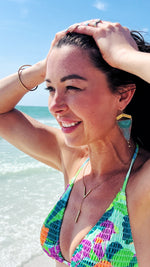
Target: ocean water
28, 191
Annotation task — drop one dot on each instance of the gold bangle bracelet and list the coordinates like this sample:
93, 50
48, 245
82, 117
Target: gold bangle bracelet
19, 78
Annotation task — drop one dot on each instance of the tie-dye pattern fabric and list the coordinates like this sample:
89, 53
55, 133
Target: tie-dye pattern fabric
108, 244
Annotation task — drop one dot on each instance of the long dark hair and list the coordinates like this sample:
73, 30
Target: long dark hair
138, 107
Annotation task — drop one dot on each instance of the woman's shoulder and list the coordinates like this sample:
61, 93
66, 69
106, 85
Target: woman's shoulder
139, 195
144, 162
141, 178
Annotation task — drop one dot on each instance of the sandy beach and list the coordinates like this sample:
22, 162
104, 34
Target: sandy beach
41, 261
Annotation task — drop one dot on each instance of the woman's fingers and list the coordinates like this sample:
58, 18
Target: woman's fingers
111, 38
92, 23
58, 36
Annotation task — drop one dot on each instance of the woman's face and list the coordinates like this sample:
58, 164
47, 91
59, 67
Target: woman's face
80, 98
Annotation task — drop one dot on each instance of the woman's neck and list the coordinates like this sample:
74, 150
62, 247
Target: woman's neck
110, 155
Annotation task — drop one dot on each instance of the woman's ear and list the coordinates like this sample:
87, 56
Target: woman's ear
125, 96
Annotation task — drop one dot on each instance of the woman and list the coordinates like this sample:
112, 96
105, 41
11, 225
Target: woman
92, 72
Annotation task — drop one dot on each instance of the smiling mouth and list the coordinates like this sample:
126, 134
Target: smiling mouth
68, 125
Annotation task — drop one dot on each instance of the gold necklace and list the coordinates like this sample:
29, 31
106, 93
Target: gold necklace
85, 194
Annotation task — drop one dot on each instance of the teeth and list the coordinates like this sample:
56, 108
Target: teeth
69, 124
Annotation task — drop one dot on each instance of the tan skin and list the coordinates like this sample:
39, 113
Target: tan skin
95, 108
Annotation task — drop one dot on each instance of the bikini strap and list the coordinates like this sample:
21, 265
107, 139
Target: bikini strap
77, 173
127, 176
130, 168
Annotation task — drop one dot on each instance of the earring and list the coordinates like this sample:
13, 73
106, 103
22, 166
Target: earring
124, 122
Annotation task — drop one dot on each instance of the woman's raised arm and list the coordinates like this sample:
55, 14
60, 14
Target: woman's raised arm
11, 90
30, 136
117, 47
135, 62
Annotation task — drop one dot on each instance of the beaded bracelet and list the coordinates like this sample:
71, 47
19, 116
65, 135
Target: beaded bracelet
19, 77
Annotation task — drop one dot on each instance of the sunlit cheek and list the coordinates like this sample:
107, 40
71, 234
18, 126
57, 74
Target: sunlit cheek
80, 104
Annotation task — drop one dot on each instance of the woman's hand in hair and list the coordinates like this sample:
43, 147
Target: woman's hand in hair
113, 40
117, 46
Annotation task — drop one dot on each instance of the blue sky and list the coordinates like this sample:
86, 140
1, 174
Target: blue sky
27, 28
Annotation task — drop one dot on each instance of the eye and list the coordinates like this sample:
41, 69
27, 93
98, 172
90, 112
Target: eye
50, 89
73, 88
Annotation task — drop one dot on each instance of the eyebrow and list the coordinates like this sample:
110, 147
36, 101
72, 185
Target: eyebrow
70, 77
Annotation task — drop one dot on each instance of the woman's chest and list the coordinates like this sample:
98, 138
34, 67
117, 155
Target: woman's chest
90, 213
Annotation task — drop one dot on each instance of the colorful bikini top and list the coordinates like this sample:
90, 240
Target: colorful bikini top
108, 244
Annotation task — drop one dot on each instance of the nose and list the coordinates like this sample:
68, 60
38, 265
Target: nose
57, 104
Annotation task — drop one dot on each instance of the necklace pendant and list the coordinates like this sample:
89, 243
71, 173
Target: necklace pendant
86, 194
78, 214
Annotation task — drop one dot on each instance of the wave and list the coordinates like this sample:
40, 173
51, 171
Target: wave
9, 168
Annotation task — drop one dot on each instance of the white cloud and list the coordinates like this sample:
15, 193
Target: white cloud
23, 10
24, 13
100, 5
145, 30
